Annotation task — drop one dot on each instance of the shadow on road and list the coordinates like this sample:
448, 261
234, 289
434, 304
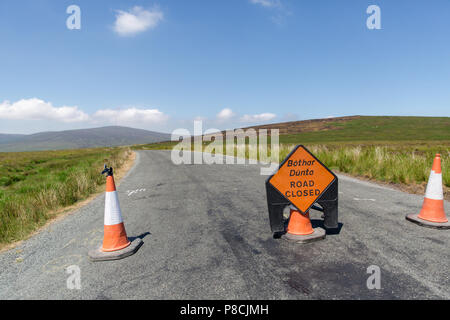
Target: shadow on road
141, 236
318, 223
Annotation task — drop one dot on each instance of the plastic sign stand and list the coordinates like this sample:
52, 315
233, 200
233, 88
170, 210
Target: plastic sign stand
302, 180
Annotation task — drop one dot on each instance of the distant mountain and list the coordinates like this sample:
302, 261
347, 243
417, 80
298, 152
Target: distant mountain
77, 139
8, 138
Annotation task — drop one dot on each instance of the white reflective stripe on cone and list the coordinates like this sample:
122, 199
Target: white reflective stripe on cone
113, 214
434, 187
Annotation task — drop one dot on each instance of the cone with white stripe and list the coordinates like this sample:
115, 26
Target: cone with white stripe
432, 213
115, 237
116, 244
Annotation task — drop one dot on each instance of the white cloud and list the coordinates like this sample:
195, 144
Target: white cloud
37, 109
49, 116
258, 117
131, 116
225, 114
137, 20
267, 3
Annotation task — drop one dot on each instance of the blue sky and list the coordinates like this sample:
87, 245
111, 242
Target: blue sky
159, 65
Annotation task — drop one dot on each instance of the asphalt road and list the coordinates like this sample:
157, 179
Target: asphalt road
206, 236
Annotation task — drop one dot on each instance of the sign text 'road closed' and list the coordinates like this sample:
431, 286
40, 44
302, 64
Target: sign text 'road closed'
302, 178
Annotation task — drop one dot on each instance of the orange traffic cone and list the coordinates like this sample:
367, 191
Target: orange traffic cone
115, 237
432, 213
299, 224
116, 244
300, 228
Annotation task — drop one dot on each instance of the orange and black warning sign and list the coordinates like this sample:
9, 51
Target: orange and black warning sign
302, 178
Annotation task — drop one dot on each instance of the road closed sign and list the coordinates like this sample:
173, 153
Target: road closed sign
302, 178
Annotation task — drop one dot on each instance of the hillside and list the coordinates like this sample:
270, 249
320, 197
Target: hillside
363, 129
77, 139
359, 129
9, 138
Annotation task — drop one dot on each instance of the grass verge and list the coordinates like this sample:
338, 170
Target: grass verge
407, 166
34, 186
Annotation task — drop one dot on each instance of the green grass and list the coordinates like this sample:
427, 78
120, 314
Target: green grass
378, 129
35, 184
389, 163
388, 149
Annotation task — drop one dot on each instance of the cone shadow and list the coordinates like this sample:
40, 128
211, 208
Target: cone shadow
318, 223
141, 236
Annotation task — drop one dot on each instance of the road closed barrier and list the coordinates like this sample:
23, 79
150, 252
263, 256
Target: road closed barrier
116, 244
301, 182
